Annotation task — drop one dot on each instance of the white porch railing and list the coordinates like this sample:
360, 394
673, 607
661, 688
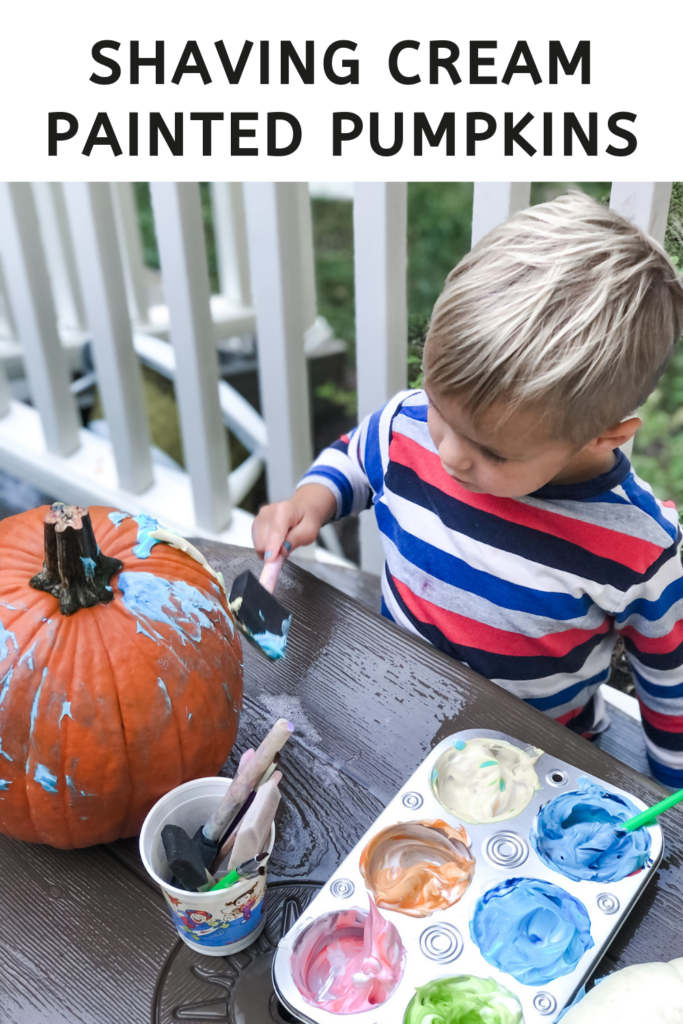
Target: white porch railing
71, 269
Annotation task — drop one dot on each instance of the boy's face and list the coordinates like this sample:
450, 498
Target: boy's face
507, 456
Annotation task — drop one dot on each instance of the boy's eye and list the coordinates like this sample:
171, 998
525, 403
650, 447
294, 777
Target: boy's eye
491, 456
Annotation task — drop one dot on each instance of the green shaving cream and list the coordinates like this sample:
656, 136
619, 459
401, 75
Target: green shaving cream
463, 999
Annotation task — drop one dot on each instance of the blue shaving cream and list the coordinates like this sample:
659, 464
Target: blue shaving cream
174, 602
146, 525
5, 684
531, 929
66, 710
578, 835
272, 644
4, 752
46, 779
89, 566
5, 636
5, 783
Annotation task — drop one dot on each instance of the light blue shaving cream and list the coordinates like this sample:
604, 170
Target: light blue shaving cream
153, 599
66, 710
272, 644
146, 526
89, 566
5, 783
5, 636
46, 779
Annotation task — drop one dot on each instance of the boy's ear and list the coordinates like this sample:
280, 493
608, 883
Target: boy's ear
616, 436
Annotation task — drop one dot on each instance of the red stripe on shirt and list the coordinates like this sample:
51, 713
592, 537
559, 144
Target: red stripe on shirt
667, 723
634, 552
466, 632
656, 644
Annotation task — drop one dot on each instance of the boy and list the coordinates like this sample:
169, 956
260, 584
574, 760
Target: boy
517, 538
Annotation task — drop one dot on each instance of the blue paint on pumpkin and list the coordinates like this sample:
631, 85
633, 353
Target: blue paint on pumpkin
45, 778
5, 684
66, 710
139, 628
4, 752
27, 656
74, 788
36, 699
89, 565
162, 686
117, 518
5, 783
172, 602
146, 526
5, 636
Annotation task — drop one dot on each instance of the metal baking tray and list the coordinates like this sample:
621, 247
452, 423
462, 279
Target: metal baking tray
440, 945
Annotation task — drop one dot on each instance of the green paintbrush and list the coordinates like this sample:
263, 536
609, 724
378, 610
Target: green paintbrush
649, 817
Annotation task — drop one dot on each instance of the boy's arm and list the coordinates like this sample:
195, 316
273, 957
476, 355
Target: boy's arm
335, 486
650, 620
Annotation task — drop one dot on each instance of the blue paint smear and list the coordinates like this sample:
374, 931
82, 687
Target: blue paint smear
5, 684
66, 710
146, 525
459, 744
189, 714
162, 686
34, 708
117, 518
531, 929
174, 602
5, 636
28, 655
4, 752
89, 566
45, 778
5, 783
272, 644
74, 789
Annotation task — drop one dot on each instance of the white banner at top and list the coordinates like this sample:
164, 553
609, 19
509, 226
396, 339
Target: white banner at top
364, 89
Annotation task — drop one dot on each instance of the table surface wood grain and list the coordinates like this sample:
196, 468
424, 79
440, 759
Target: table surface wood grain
85, 934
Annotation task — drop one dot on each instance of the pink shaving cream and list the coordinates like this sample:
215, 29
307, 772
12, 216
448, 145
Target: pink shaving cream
348, 961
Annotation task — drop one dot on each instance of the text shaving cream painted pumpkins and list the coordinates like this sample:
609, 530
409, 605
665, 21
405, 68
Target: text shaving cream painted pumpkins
120, 678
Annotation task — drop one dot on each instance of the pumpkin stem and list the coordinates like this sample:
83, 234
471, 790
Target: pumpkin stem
75, 570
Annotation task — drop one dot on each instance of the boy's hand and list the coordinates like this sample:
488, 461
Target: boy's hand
295, 522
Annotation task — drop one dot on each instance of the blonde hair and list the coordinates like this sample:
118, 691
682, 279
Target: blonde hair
565, 306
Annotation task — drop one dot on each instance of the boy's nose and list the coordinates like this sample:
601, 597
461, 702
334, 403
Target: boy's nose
455, 457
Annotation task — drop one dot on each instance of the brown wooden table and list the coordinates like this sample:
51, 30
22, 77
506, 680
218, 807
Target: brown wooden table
85, 937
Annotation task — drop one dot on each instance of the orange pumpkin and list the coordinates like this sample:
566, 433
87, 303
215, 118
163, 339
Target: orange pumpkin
120, 678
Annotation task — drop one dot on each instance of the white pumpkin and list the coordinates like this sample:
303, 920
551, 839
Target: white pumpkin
641, 994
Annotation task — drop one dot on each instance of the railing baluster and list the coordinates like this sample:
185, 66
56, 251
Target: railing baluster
494, 202
230, 230
91, 216
130, 245
34, 312
380, 255
645, 203
59, 254
282, 297
182, 251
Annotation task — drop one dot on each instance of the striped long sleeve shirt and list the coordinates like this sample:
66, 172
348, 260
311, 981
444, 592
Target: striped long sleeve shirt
531, 592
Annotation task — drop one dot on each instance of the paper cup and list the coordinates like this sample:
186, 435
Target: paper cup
214, 923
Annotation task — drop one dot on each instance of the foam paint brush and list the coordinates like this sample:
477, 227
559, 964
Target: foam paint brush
255, 827
259, 614
208, 837
185, 860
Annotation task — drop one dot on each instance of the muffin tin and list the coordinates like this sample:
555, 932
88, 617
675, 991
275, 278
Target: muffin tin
440, 945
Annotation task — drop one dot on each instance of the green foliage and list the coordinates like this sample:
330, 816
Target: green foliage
658, 449
150, 251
